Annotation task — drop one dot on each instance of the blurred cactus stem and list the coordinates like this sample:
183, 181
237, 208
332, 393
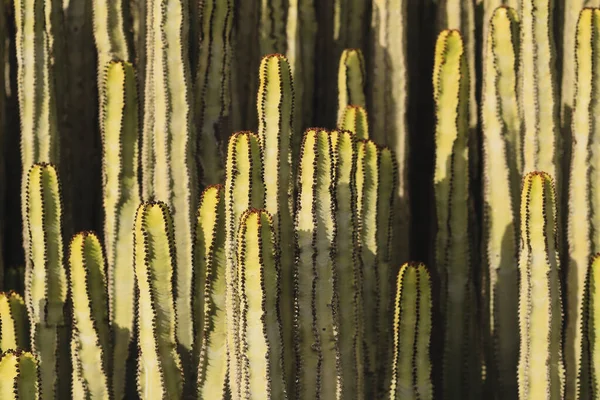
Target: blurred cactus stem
317, 353
159, 373
18, 376
356, 121
411, 365
14, 324
260, 323
209, 297
244, 188
91, 333
541, 372
501, 185
46, 281
351, 81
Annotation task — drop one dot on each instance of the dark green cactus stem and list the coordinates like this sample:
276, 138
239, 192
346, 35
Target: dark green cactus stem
541, 373
121, 199
592, 320
351, 81
91, 333
18, 376
260, 323
46, 280
213, 87
347, 266
317, 352
159, 373
451, 187
411, 365
356, 121
14, 325
275, 130
244, 189
209, 297
501, 180
349, 22
272, 27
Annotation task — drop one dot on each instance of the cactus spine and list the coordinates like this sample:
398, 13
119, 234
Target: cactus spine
355, 120
121, 198
14, 329
260, 324
541, 372
159, 373
46, 280
411, 366
501, 180
18, 376
351, 80
245, 189
213, 86
317, 352
91, 333
592, 307
210, 289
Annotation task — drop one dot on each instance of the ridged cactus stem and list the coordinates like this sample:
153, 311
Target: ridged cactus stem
121, 199
272, 27
349, 22
317, 351
275, 130
501, 180
159, 373
213, 87
411, 365
46, 280
591, 324
18, 376
451, 187
209, 296
14, 325
91, 333
244, 189
356, 121
351, 81
541, 372
260, 323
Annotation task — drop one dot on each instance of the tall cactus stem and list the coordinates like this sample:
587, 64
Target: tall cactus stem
351, 80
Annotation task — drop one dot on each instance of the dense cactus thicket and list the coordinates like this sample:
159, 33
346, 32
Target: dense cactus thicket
299, 199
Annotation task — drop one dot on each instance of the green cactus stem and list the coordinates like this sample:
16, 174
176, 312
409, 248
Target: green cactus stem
356, 121
349, 22
272, 27
244, 189
18, 376
159, 373
351, 81
260, 326
592, 319
14, 325
541, 373
317, 353
411, 365
209, 296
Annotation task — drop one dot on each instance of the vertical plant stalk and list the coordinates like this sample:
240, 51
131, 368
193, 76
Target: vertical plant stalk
317, 351
591, 329
91, 332
541, 371
411, 365
210, 288
159, 371
121, 199
451, 187
18, 376
213, 87
46, 279
14, 324
355, 120
501, 180
260, 325
351, 81
350, 23
244, 188
272, 27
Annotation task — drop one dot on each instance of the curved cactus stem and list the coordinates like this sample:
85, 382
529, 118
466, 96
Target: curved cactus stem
351, 81
18, 376
541, 371
411, 365
355, 120
14, 324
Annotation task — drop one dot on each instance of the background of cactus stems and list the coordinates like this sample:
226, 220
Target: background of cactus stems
299, 199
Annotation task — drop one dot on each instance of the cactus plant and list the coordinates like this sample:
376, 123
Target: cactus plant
592, 311
14, 329
541, 372
356, 121
351, 81
411, 365
18, 375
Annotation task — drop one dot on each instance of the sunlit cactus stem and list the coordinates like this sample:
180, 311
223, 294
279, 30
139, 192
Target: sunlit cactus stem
501, 180
91, 333
541, 373
351, 81
14, 324
18, 376
410, 361
46, 281
159, 371
355, 120
209, 298
591, 327
260, 323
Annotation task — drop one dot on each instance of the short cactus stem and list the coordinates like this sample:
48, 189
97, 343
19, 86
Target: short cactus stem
18, 376
351, 80
14, 324
354, 119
